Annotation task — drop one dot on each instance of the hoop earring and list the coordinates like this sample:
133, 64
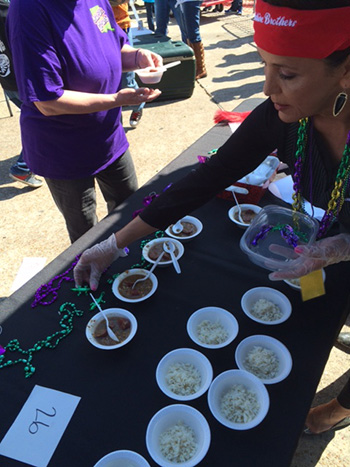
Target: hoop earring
339, 103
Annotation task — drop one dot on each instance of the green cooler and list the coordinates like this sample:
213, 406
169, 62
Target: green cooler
177, 82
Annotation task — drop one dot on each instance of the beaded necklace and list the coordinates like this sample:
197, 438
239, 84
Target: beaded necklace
68, 311
336, 201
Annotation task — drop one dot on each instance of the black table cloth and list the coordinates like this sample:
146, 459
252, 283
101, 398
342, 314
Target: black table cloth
118, 389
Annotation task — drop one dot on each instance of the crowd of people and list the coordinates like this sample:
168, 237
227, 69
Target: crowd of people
306, 116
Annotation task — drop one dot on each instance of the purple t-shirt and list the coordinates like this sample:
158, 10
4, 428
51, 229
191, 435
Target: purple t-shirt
67, 45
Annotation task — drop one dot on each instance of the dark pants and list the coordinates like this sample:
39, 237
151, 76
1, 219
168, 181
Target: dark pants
76, 199
236, 5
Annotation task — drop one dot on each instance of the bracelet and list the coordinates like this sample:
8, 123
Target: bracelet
136, 58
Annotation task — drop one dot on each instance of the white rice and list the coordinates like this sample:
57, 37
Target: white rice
183, 379
239, 404
178, 443
211, 333
266, 311
262, 362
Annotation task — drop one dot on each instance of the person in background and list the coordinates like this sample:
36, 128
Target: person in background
122, 17
18, 171
236, 8
190, 20
68, 59
150, 12
162, 13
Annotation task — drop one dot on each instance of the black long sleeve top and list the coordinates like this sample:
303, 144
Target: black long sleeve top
260, 134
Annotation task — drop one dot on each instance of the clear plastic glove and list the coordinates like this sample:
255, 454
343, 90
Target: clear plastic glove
95, 260
323, 253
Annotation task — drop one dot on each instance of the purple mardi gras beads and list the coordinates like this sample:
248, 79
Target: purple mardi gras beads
287, 233
49, 289
265, 229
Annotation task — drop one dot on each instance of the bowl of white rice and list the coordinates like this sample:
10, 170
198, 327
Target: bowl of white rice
122, 458
184, 374
266, 305
265, 357
178, 434
238, 399
212, 327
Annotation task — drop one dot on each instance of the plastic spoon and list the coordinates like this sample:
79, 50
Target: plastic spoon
109, 330
171, 64
177, 227
169, 247
150, 271
239, 209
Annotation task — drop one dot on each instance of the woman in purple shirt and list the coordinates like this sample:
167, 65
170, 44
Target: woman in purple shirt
69, 57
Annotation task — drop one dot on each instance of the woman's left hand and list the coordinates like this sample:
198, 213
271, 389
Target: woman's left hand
128, 96
327, 251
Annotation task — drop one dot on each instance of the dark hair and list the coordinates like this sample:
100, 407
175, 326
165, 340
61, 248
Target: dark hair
336, 58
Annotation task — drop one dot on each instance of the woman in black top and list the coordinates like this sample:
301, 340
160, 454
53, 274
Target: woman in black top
306, 118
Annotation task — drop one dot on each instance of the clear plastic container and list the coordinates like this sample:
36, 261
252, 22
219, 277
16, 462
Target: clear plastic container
270, 239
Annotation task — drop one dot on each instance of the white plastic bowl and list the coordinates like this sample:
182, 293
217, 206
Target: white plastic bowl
223, 383
234, 211
151, 74
190, 356
272, 295
213, 314
122, 458
282, 353
95, 320
193, 220
170, 416
297, 287
131, 272
155, 241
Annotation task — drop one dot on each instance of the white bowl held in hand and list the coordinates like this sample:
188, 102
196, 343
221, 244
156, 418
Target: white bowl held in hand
122, 458
165, 421
111, 313
183, 236
265, 357
271, 304
137, 294
212, 327
151, 74
156, 244
252, 402
175, 366
233, 214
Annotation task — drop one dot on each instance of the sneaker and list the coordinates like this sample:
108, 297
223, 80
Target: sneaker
25, 176
233, 12
135, 117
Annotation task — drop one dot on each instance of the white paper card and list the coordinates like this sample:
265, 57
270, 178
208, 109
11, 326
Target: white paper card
38, 428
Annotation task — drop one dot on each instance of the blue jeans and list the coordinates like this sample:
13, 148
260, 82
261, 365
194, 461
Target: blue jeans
128, 78
190, 21
162, 9
14, 97
149, 12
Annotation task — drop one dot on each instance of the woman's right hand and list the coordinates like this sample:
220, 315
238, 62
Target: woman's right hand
94, 261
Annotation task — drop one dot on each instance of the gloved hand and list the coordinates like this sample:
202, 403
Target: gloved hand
95, 260
327, 251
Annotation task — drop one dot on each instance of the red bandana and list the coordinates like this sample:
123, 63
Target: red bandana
301, 33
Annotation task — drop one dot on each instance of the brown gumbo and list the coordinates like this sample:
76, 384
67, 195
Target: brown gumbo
188, 229
119, 325
140, 290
